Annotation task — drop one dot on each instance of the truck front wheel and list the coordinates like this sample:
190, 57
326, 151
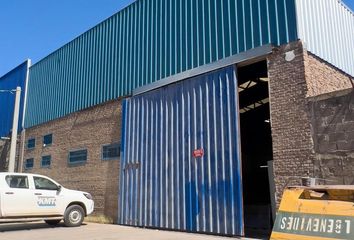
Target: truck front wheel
74, 216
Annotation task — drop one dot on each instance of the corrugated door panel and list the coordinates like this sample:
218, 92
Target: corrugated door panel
163, 184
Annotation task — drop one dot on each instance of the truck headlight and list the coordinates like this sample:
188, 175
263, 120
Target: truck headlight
88, 196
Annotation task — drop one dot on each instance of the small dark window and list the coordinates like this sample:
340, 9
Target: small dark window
78, 157
46, 161
44, 184
31, 143
111, 151
48, 139
15, 181
29, 163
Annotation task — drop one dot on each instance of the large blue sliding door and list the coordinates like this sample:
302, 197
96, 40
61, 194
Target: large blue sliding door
180, 167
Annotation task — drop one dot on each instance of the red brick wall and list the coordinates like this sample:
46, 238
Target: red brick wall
322, 77
292, 84
292, 141
88, 129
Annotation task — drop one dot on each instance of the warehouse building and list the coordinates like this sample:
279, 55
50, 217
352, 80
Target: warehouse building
195, 115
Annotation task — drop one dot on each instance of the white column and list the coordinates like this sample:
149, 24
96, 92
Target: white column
14, 131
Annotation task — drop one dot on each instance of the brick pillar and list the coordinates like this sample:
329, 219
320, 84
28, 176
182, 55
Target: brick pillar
291, 130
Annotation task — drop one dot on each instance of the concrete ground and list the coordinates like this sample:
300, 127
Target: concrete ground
92, 231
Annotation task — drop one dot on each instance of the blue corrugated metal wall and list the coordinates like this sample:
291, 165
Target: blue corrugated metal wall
14, 78
162, 184
148, 41
327, 28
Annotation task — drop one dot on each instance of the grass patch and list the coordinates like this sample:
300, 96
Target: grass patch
99, 219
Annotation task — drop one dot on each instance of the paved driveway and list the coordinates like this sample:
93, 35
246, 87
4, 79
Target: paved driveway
41, 231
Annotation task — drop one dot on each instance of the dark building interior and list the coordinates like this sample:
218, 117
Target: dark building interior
256, 146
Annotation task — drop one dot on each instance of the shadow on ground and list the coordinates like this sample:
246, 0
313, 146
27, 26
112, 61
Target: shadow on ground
9, 227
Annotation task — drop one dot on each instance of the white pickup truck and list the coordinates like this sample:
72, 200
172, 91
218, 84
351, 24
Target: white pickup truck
31, 197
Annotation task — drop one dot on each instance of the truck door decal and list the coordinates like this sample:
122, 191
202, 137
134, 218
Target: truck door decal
46, 201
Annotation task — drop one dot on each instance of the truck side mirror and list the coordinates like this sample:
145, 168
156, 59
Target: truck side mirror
59, 188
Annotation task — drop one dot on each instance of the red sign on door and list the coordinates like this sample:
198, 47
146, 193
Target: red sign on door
198, 153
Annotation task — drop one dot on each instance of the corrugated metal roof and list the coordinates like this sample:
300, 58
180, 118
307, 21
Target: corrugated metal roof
149, 41
327, 28
12, 79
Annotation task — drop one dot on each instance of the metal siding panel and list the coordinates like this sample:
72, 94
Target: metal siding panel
148, 41
154, 41
327, 28
112, 59
12, 79
103, 62
163, 25
263, 21
282, 38
291, 19
136, 47
84, 68
183, 30
109, 61
257, 23
248, 24
162, 185
273, 21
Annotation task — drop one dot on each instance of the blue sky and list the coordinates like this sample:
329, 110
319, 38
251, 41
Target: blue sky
35, 28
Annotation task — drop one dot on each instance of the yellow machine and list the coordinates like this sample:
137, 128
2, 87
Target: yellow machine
320, 212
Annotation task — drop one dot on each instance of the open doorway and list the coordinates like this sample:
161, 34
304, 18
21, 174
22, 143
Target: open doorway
256, 147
